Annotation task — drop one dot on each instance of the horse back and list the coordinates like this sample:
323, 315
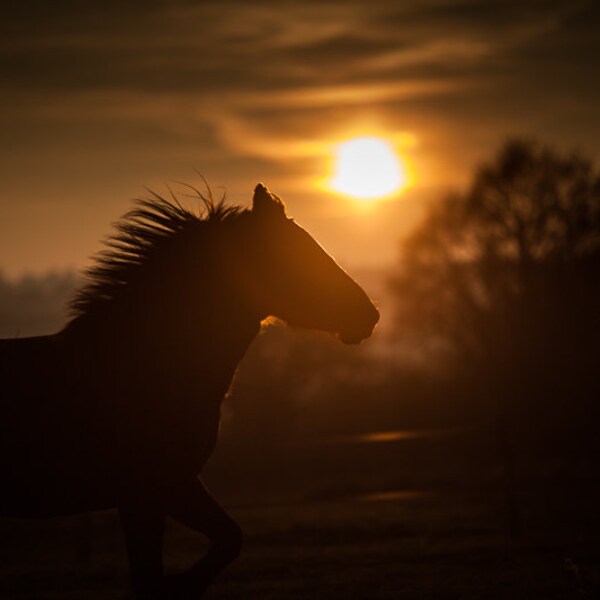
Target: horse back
36, 399
27, 368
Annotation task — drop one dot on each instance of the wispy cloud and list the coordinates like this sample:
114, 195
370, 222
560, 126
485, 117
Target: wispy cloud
259, 86
214, 71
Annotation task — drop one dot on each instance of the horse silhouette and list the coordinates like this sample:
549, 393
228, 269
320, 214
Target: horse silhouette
121, 408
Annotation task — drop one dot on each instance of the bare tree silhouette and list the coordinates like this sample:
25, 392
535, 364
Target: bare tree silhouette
507, 276
513, 257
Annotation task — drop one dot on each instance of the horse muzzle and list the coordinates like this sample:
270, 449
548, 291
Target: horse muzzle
357, 332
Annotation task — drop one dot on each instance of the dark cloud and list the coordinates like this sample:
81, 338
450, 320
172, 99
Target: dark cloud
188, 47
236, 47
294, 55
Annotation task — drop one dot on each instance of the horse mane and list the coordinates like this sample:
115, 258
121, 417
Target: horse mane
152, 225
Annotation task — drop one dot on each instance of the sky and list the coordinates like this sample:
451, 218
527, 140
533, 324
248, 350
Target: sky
99, 99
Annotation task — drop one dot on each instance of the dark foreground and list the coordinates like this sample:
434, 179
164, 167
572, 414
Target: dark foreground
408, 517
438, 545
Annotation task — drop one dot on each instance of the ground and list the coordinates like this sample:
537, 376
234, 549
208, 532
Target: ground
413, 520
422, 546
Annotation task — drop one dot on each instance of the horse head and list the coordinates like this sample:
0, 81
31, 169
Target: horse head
294, 279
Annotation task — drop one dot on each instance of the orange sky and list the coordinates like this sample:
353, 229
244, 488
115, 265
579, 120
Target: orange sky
97, 101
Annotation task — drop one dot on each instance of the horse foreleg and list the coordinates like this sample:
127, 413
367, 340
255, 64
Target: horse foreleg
144, 533
191, 504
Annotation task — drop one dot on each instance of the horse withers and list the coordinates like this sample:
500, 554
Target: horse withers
121, 408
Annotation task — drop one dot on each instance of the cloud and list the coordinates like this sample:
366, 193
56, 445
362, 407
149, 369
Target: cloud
98, 98
214, 78
185, 48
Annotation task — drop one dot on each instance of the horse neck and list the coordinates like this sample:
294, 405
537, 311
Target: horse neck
212, 337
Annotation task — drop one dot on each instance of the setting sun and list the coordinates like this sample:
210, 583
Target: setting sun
367, 168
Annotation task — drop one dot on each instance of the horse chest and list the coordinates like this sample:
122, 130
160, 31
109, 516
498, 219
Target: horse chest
172, 427
162, 402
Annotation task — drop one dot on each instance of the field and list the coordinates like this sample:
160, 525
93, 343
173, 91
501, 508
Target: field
448, 539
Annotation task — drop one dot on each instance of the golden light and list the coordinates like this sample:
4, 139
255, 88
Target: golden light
367, 168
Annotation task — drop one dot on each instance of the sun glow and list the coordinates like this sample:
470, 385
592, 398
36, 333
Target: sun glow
367, 168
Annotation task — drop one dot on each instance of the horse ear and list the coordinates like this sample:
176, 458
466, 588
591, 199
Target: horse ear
265, 203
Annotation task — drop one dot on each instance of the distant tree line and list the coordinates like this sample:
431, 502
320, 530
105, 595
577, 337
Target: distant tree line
33, 305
